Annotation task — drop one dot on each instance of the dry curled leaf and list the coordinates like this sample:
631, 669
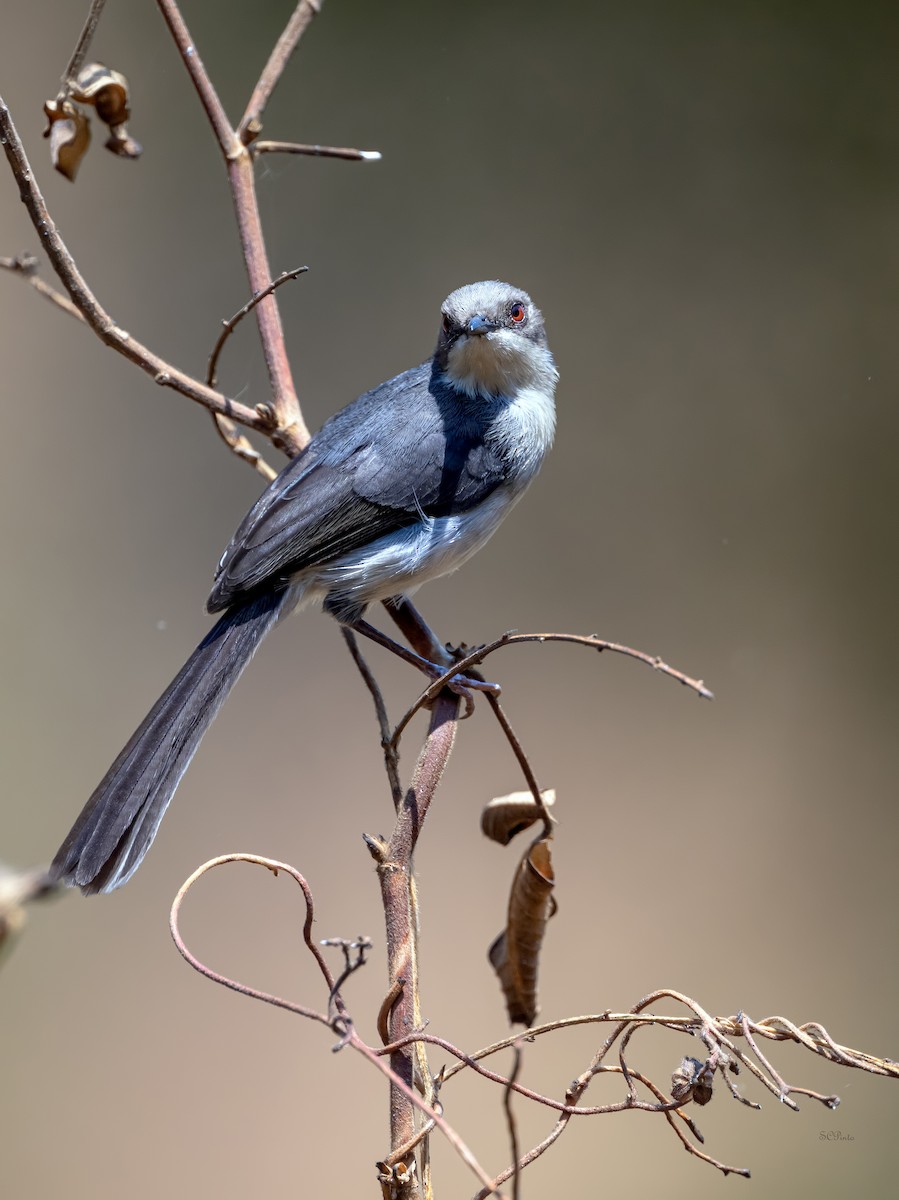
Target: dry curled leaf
70, 135
506, 816
107, 93
515, 955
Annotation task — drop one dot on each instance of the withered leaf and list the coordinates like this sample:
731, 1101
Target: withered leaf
506, 816
515, 955
69, 132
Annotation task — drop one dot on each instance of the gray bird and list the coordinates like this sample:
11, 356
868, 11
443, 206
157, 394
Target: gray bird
401, 486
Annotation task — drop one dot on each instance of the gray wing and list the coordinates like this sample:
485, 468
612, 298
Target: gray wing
406, 450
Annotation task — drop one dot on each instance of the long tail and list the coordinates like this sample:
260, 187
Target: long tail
118, 824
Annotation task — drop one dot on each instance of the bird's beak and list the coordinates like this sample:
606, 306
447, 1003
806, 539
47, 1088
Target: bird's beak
480, 325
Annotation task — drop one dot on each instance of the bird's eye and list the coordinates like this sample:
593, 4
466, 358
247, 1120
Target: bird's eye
447, 324
517, 313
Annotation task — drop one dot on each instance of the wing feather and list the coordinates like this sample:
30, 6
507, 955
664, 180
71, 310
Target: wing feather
381, 464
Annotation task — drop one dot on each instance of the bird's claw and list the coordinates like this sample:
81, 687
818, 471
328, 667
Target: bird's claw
464, 685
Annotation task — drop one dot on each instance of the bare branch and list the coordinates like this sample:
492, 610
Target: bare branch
228, 430
82, 45
511, 1122
231, 323
314, 151
287, 430
448, 1132
267, 997
341, 1020
293, 433
226, 135
523, 762
162, 372
251, 121
26, 267
391, 757
394, 864
477, 656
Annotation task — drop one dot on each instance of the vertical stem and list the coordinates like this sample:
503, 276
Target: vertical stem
288, 431
291, 433
401, 910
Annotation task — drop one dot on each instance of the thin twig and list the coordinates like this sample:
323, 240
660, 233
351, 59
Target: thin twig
240, 445
314, 151
511, 1123
81, 47
391, 757
293, 433
784, 1089
228, 141
231, 323
531, 1155
523, 762
255, 994
26, 267
361, 946
301, 18
671, 1115
471, 1062
103, 325
229, 432
287, 429
448, 1132
477, 656
351, 1038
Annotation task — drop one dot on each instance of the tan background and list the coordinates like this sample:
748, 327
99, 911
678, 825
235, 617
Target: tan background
703, 198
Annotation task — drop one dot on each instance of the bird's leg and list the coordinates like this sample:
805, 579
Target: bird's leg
422, 638
416, 630
463, 685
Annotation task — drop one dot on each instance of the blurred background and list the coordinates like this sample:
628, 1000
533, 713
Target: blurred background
702, 198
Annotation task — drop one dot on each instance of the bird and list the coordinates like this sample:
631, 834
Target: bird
400, 487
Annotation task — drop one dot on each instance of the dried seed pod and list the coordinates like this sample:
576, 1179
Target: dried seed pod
692, 1081
107, 92
515, 955
70, 134
505, 816
121, 143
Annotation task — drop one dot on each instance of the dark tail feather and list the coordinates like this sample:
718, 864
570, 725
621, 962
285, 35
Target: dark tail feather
117, 825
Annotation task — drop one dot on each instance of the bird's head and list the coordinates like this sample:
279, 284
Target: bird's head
492, 341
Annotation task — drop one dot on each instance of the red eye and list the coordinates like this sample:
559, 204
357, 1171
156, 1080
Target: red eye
517, 314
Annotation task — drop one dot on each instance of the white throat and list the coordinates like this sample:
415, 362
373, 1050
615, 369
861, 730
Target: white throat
500, 363
504, 366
